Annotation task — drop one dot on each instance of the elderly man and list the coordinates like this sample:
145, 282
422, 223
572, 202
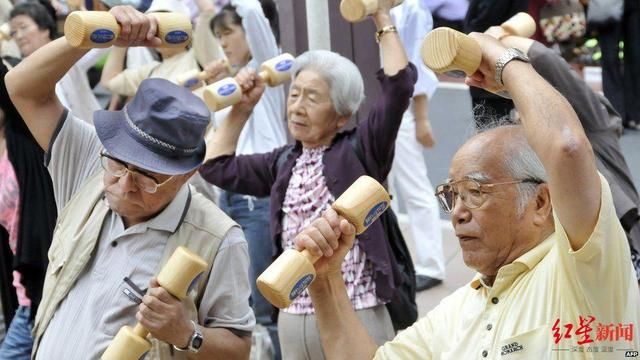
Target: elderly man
601, 124
551, 278
125, 207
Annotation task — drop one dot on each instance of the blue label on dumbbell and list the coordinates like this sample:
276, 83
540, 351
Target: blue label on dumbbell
226, 89
300, 286
194, 283
375, 212
176, 37
284, 65
101, 36
191, 82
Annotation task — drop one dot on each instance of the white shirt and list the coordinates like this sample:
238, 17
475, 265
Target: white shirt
265, 130
74, 90
413, 22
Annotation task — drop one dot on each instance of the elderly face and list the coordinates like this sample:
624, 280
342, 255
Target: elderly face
27, 34
311, 116
234, 43
127, 198
493, 234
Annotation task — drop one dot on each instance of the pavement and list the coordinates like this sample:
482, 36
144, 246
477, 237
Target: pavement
451, 126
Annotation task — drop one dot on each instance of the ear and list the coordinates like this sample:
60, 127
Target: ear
543, 206
342, 121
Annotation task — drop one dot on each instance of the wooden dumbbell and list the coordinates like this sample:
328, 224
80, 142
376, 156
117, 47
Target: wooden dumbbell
5, 31
178, 276
227, 92
99, 29
292, 272
358, 10
195, 76
447, 50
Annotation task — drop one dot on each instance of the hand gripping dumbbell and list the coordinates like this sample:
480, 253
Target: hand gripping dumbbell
178, 276
292, 272
99, 29
447, 50
195, 76
227, 92
358, 10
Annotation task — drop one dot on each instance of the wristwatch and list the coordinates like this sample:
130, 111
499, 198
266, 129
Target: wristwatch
195, 342
504, 59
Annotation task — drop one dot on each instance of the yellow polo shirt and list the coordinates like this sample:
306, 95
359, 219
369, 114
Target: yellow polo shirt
534, 308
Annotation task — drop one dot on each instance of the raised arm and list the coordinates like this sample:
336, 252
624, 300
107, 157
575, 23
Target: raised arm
394, 57
260, 38
225, 138
555, 134
342, 334
205, 45
31, 84
113, 66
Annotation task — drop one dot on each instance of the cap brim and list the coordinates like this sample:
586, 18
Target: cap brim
110, 127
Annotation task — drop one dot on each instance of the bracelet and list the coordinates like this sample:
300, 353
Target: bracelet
384, 30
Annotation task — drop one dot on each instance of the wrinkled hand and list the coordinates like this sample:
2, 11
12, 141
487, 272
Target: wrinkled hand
216, 70
164, 316
424, 134
136, 28
331, 237
484, 77
252, 89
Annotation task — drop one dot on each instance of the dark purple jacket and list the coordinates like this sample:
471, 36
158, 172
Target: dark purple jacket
259, 174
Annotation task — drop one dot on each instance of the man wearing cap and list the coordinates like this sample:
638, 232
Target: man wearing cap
124, 207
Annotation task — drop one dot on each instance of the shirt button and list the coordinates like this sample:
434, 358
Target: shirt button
494, 300
485, 353
114, 243
489, 327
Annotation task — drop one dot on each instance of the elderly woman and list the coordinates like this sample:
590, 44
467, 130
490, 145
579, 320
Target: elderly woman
304, 179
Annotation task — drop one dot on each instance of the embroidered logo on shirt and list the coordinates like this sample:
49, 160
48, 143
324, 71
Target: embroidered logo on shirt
511, 348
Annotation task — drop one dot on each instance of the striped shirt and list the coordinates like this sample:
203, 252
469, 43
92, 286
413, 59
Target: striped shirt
105, 297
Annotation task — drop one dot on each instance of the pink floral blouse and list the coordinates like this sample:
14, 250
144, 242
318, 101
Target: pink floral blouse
306, 198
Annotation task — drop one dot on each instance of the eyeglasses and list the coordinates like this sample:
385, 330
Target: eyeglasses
144, 181
472, 193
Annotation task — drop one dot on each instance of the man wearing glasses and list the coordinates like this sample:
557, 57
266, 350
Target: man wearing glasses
534, 218
124, 207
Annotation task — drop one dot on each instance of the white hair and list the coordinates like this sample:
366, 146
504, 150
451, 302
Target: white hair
521, 163
346, 87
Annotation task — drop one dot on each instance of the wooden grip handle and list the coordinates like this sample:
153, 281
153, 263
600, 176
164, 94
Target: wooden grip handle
227, 92
177, 276
447, 50
357, 10
362, 203
181, 272
293, 271
520, 24
99, 29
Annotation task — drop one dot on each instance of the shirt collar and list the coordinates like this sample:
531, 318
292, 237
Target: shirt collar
529, 259
171, 217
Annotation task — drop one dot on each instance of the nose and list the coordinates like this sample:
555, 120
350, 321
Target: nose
223, 42
127, 183
295, 105
460, 214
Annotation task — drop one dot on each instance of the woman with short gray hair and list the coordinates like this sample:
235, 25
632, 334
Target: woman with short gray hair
305, 178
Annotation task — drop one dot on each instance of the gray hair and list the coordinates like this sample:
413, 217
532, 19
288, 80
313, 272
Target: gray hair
346, 87
522, 162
